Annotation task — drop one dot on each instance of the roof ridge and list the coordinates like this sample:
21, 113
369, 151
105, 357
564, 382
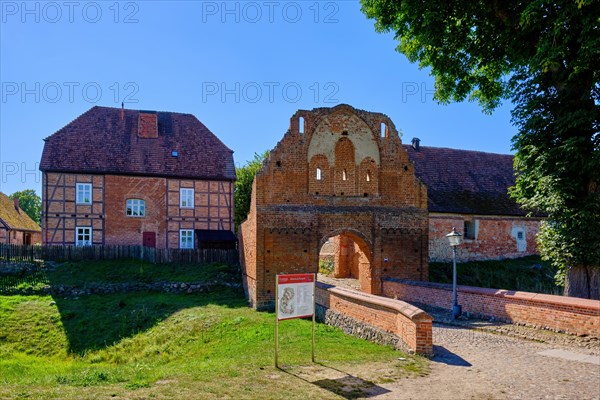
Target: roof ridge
142, 111
458, 150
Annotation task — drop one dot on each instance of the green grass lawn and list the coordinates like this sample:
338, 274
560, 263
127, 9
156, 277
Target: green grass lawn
529, 274
165, 346
80, 273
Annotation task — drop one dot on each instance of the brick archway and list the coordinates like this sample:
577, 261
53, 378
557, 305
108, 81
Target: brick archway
353, 257
336, 176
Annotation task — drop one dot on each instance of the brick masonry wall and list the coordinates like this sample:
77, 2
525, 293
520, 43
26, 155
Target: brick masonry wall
294, 213
557, 313
122, 229
18, 237
412, 325
496, 237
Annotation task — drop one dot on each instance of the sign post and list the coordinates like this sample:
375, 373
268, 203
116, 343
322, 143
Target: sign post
294, 298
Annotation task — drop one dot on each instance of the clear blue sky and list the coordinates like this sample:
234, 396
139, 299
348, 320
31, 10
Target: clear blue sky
243, 68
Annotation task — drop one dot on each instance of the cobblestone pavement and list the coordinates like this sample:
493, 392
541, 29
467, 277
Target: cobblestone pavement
477, 359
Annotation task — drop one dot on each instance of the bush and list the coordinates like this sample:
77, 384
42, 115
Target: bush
326, 266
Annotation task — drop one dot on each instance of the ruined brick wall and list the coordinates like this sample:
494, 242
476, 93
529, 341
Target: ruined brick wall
364, 188
558, 313
494, 237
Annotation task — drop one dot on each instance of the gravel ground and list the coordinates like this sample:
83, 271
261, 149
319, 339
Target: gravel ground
479, 359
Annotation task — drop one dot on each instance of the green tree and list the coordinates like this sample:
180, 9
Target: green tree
243, 186
30, 202
545, 57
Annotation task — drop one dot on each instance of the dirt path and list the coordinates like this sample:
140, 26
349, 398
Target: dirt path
485, 363
479, 365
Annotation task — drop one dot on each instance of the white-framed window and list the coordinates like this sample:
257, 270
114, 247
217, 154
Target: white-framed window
319, 174
84, 193
135, 208
83, 236
186, 239
186, 198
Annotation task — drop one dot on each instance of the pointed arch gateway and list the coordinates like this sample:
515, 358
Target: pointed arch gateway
338, 178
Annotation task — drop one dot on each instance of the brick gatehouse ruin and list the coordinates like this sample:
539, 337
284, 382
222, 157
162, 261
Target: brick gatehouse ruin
337, 173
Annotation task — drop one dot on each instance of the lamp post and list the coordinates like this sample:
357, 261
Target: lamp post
455, 239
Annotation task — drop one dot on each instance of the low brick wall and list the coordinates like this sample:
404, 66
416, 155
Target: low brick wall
409, 323
556, 313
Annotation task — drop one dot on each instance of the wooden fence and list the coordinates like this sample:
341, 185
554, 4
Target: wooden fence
31, 254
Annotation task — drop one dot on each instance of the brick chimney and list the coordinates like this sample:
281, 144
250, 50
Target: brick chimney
147, 125
416, 143
16, 201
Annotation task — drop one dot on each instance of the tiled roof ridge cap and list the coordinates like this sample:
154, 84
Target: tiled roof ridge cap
457, 150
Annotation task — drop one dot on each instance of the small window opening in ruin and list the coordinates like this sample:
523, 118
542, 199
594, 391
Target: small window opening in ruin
366, 194
278, 163
319, 175
384, 129
301, 124
344, 176
345, 133
368, 176
316, 193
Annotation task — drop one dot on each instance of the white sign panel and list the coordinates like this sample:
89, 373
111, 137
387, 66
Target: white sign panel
295, 296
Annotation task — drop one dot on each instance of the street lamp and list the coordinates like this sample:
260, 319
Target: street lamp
455, 239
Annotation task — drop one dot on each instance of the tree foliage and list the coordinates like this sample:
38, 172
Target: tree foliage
243, 186
545, 57
30, 202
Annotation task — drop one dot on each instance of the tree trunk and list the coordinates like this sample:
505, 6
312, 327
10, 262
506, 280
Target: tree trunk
583, 281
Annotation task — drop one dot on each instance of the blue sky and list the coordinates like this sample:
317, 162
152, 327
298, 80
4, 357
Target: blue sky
243, 68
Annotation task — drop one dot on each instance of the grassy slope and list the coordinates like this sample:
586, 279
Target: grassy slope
529, 274
169, 346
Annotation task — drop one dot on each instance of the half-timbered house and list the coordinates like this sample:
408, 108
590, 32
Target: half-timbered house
129, 177
16, 227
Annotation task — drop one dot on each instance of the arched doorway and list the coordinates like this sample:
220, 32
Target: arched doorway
347, 255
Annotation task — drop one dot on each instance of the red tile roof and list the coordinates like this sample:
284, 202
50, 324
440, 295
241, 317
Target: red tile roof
14, 218
100, 141
463, 181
